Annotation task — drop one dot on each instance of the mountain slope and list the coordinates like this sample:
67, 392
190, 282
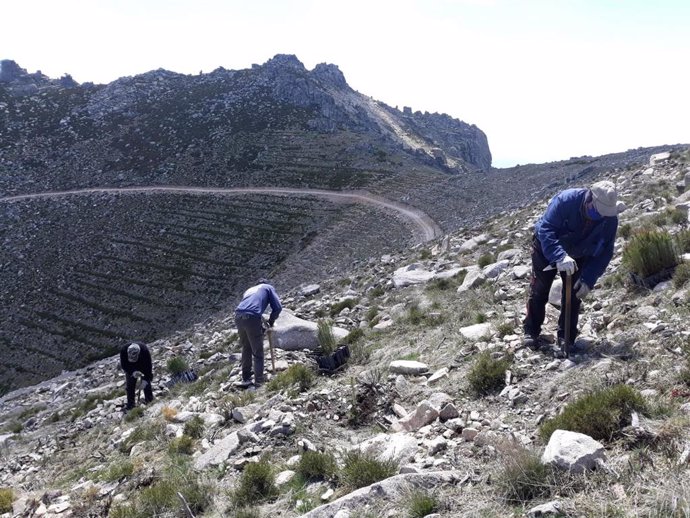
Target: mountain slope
67, 446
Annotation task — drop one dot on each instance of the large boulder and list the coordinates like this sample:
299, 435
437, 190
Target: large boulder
572, 451
411, 274
293, 334
219, 452
399, 447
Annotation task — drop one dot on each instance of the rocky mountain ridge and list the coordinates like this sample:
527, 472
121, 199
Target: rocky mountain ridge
423, 317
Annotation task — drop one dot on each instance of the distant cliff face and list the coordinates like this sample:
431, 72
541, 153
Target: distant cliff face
276, 123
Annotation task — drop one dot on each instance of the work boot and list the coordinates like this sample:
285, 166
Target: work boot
243, 384
531, 341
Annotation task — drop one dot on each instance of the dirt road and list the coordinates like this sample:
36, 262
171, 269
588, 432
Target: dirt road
425, 228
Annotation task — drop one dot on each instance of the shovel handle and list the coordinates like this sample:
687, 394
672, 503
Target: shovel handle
271, 347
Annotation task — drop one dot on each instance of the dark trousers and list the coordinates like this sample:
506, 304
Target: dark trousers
252, 341
131, 383
539, 288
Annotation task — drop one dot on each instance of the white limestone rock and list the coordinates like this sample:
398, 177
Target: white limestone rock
408, 367
572, 451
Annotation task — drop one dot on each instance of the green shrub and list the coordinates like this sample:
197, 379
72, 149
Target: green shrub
681, 275
354, 336
246, 512
625, 230
505, 328
6, 499
14, 427
297, 375
339, 306
160, 498
144, 432
446, 283
183, 445
194, 428
425, 253
659, 219
376, 292
326, 337
134, 413
314, 466
682, 239
600, 414
648, 253
117, 471
362, 470
421, 504
256, 484
480, 318
486, 260
677, 216
488, 374
523, 477
177, 365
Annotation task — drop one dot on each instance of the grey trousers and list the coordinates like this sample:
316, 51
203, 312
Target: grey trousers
252, 342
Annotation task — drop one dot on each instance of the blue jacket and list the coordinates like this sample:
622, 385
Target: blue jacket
257, 298
565, 229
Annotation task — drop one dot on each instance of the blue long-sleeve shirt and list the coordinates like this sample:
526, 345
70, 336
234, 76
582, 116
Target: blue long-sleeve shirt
565, 229
257, 298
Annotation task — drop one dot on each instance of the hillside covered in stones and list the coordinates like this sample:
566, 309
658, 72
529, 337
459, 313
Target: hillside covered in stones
80, 275
404, 429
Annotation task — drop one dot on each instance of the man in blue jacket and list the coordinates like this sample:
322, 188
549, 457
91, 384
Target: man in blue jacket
576, 234
249, 327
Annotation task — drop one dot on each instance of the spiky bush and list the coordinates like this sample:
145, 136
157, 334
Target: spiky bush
314, 466
681, 275
486, 260
600, 414
325, 336
339, 306
6, 499
298, 376
362, 470
256, 484
682, 239
487, 374
194, 428
523, 477
421, 504
648, 253
183, 445
177, 365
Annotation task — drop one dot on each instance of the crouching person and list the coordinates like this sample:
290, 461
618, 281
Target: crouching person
135, 360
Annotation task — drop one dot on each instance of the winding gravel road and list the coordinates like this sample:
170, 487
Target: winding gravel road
424, 228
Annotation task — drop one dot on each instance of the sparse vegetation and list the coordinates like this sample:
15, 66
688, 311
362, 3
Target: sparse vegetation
339, 306
194, 428
487, 374
134, 413
314, 466
298, 377
420, 504
486, 259
177, 365
354, 336
6, 499
649, 253
256, 484
117, 471
325, 336
600, 414
681, 275
363, 469
183, 445
523, 477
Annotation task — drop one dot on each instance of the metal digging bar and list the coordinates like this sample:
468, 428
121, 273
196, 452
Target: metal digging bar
568, 313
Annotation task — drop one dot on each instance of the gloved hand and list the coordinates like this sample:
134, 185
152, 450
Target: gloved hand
137, 374
567, 265
582, 289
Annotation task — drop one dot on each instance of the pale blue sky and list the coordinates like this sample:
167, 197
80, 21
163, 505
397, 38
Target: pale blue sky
544, 79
